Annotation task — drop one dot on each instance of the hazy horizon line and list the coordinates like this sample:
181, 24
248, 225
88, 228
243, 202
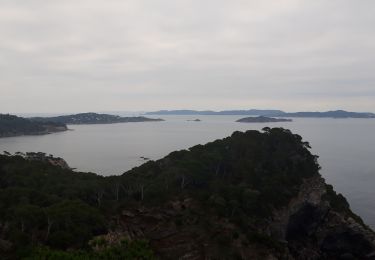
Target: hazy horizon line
139, 112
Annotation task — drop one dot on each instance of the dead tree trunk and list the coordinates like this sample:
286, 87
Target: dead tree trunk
142, 188
49, 226
22, 226
217, 169
99, 196
182, 182
117, 191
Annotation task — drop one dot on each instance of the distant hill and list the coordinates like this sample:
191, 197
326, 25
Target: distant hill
11, 125
262, 119
93, 118
330, 114
277, 113
254, 112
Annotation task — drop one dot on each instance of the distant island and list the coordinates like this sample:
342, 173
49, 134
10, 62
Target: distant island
94, 118
254, 112
262, 119
194, 120
11, 125
269, 113
331, 114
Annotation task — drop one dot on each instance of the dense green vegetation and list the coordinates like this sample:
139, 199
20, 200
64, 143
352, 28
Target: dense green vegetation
266, 168
45, 209
126, 250
11, 125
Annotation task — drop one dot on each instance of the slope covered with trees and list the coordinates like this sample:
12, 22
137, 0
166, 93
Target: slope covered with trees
11, 125
249, 196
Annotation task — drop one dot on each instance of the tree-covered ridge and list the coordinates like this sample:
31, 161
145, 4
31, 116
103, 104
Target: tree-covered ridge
94, 118
261, 162
223, 195
11, 125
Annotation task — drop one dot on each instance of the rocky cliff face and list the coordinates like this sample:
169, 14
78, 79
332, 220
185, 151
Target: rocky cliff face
313, 228
310, 227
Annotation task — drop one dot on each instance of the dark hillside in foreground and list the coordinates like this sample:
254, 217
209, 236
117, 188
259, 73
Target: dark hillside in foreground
93, 118
11, 125
254, 195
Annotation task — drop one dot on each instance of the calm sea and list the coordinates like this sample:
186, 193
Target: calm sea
346, 148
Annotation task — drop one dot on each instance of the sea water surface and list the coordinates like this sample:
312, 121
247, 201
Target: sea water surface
346, 148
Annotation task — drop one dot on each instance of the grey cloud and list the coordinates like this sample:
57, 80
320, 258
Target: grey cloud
145, 55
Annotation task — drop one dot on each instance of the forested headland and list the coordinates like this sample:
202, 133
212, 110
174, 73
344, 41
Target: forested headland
248, 196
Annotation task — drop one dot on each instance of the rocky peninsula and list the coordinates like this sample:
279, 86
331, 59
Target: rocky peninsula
253, 195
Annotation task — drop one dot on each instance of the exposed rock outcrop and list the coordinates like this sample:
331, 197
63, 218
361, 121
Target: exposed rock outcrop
57, 161
308, 228
314, 229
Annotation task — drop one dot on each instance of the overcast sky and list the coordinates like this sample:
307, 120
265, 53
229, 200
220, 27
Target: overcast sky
107, 55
